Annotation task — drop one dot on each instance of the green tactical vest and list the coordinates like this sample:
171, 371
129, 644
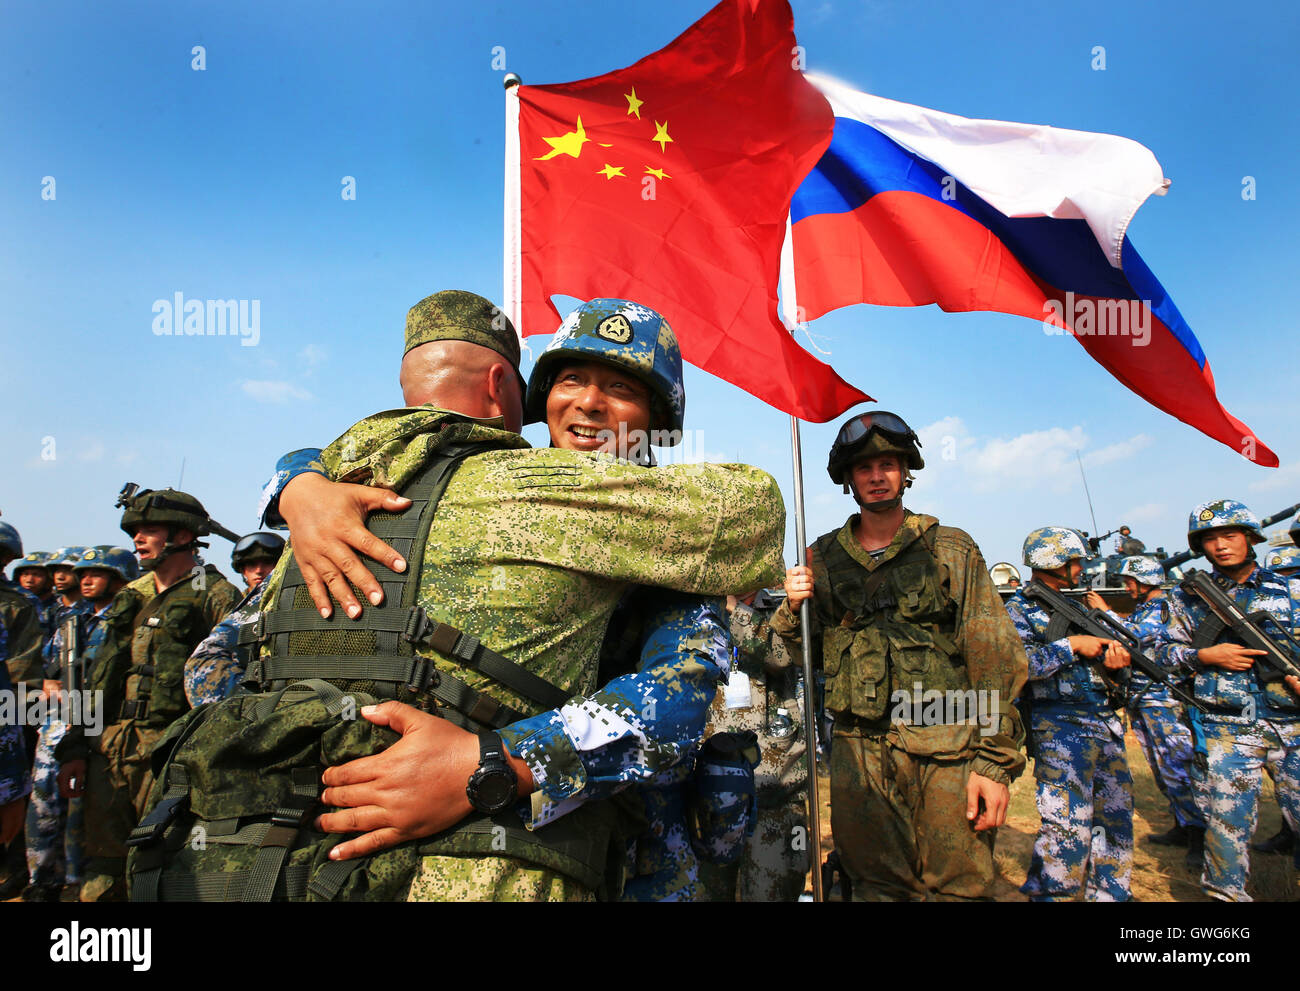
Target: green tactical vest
248, 772
895, 629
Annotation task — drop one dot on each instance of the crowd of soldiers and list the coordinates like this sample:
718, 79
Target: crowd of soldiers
578, 685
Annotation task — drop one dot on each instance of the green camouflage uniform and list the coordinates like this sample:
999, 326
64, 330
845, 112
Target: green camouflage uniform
530, 551
774, 865
20, 614
898, 784
148, 637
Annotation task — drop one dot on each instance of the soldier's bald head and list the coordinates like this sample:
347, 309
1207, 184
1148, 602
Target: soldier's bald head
464, 378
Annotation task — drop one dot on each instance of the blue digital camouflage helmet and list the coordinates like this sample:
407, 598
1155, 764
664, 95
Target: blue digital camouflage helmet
1143, 570
1052, 547
626, 335
115, 559
1282, 558
65, 557
33, 559
1222, 513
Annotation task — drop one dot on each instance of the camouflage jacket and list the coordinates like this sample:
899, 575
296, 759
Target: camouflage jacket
984, 639
1235, 696
217, 664
634, 728
1147, 622
49, 609
20, 612
81, 607
15, 782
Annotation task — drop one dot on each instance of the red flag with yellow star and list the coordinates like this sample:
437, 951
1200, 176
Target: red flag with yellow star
669, 183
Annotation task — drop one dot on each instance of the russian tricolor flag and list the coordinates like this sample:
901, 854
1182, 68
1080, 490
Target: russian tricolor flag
910, 206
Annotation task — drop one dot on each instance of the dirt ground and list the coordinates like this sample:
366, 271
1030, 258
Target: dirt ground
1158, 871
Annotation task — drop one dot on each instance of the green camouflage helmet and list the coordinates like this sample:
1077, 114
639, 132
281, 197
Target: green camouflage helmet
1222, 513
34, 559
1282, 558
1142, 570
170, 507
626, 335
259, 546
10, 540
1052, 547
115, 559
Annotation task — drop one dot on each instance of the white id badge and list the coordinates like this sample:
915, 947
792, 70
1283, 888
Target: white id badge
737, 693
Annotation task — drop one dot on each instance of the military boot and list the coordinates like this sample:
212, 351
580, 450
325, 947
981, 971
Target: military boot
1282, 842
1195, 859
1175, 837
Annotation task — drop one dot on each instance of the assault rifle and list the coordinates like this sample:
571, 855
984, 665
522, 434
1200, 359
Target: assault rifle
71, 664
1067, 615
1226, 615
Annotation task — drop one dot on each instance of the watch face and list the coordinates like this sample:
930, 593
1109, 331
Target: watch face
493, 791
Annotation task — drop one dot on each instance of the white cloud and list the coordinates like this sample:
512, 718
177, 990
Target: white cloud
311, 356
279, 392
95, 452
1038, 456
1287, 477
1116, 452
1148, 512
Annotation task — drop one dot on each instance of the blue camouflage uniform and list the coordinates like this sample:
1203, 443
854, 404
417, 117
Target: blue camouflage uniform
54, 823
1085, 792
1159, 720
217, 665
641, 728
48, 609
14, 779
1248, 725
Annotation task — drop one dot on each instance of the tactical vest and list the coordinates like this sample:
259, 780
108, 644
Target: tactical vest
895, 630
272, 747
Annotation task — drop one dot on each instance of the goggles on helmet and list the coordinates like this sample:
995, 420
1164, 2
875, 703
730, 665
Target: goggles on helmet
889, 424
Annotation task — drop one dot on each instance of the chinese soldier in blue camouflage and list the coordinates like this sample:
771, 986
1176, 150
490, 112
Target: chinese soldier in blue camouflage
32, 573
152, 626
55, 825
1249, 722
218, 663
1158, 719
763, 696
639, 725
1085, 792
904, 610
1284, 561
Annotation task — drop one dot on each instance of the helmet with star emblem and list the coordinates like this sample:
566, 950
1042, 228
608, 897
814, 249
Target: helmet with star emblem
626, 335
1222, 513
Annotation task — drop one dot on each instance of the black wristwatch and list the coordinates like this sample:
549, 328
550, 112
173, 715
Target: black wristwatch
493, 787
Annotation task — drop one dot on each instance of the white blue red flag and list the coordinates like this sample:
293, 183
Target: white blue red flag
910, 206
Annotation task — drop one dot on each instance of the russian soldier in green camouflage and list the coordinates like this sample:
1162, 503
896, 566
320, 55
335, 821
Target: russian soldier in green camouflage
151, 627
922, 665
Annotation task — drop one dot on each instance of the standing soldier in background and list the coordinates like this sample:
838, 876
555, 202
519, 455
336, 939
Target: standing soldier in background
218, 663
1085, 792
761, 696
67, 586
903, 606
1248, 722
152, 626
1159, 721
55, 828
15, 782
1284, 561
20, 614
32, 573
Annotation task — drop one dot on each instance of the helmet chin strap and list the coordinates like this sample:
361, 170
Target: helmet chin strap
887, 504
152, 563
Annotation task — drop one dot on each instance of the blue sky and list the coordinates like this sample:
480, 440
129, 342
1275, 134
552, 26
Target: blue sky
225, 183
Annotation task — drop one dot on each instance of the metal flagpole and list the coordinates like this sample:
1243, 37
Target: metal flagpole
512, 278
789, 313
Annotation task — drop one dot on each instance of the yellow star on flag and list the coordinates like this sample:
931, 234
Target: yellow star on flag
633, 104
568, 144
661, 135
658, 173
609, 171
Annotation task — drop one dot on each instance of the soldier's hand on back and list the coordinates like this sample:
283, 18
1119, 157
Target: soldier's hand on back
798, 585
327, 521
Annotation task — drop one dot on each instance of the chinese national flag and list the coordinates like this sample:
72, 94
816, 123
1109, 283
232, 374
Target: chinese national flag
669, 183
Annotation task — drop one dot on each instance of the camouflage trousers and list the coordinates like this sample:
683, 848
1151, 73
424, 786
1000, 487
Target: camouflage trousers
118, 781
1228, 787
899, 824
774, 866
1166, 742
492, 879
1085, 801
666, 868
54, 823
